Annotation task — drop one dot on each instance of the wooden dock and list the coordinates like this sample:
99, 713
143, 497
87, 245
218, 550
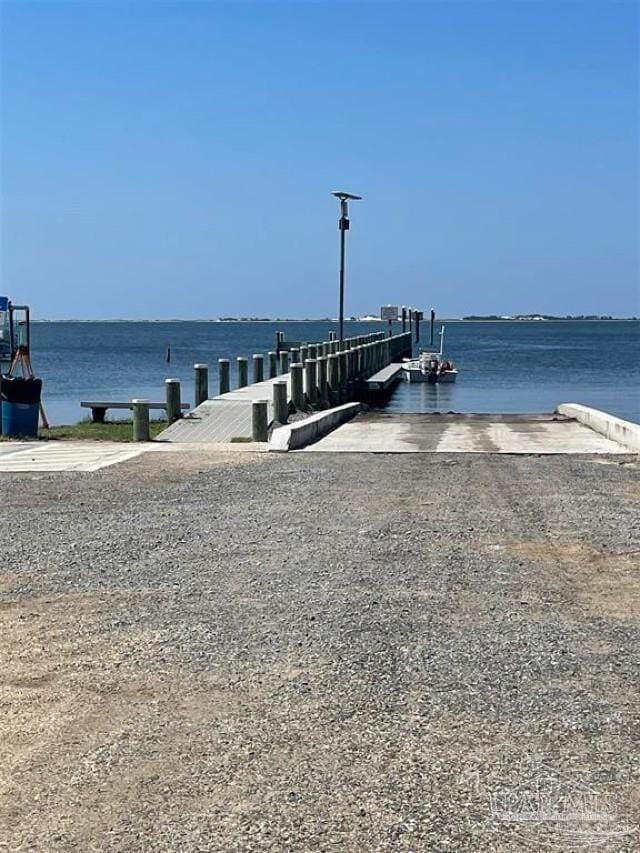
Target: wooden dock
320, 376
225, 417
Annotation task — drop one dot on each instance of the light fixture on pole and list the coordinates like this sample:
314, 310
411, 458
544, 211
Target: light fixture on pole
343, 225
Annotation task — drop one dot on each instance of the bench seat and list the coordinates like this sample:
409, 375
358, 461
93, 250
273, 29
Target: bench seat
99, 407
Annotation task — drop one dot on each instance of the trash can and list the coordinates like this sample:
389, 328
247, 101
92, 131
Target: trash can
20, 406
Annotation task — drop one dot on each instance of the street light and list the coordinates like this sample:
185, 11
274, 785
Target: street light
343, 225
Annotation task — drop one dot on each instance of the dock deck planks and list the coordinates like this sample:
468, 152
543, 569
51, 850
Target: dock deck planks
223, 417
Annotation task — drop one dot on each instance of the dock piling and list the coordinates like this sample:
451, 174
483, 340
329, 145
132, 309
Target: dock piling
321, 379
258, 368
280, 403
297, 390
284, 361
243, 371
223, 375
342, 375
310, 379
273, 365
201, 383
140, 419
172, 395
333, 378
259, 420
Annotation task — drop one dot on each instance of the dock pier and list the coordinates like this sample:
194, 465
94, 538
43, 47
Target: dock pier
317, 376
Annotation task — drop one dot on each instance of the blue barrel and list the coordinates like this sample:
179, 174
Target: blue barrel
20, 406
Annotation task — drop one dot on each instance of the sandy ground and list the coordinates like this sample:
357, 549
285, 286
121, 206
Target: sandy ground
221, 652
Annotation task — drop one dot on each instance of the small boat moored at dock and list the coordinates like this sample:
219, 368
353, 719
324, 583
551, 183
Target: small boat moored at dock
430, 366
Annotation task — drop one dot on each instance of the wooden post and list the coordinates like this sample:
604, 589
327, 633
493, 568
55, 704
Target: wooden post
172, 395
297, 391
333, 336
201, 383
294, 356
273, 365
342, 374
333, 378
321, 379
243, 371
258, 368
304, 353
259, 420
313, 351
352, 361
223, 375
280, 402
140, 420
284, 362
310, 381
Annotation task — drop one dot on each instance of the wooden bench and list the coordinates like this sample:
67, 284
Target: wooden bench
99, 408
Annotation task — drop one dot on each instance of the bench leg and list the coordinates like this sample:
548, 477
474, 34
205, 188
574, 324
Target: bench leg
97, 415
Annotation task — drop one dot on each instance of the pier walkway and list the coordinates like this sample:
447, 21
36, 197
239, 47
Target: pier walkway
336, 372
226, 416
378, 432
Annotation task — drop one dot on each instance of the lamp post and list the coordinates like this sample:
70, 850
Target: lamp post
343, 226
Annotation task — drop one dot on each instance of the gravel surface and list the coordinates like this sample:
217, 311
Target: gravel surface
318, 652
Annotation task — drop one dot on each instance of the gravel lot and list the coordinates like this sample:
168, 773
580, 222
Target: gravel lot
318, 652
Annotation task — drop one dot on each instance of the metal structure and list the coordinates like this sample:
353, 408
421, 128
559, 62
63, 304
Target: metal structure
15, 332
343, 226
15, 343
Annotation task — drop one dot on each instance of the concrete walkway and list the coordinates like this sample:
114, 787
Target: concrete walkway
34, 456
224, 417
386, 433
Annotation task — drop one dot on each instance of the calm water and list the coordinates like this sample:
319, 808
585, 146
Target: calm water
504, 367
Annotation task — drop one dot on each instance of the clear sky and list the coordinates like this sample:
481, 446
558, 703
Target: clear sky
175, 159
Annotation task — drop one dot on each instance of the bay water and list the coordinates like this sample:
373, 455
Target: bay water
524, 366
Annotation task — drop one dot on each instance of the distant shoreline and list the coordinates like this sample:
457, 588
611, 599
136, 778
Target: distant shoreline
349, 320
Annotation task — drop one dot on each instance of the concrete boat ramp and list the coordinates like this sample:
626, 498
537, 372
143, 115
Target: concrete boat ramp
380, 432
573, 430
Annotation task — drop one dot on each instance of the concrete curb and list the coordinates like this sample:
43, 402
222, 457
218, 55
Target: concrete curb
625, 433
301, 433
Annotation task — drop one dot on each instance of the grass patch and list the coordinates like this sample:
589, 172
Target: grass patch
239, 439
108, 431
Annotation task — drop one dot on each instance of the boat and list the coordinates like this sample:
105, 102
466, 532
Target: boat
430, 366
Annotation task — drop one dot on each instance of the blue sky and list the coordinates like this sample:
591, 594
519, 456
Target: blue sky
176, 159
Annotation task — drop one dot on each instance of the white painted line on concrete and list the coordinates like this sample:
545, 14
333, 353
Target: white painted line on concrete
68, 456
